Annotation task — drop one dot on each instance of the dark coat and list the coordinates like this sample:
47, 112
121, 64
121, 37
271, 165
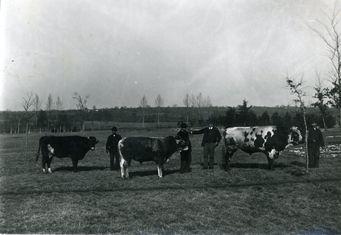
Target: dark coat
315, 137
183, 135
112, 142
210, 135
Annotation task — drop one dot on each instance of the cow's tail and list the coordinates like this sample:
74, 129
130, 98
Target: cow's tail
38, 152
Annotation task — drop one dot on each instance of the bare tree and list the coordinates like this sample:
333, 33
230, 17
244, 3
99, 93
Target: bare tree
297, 90
158, 103
208, 102
143, 105
37, 107
59, 103
49, 103
81, 101
49, 107
81, 104
27, 103
37, 103
193, 100
200, 100
321, 95
330, 34
186, 102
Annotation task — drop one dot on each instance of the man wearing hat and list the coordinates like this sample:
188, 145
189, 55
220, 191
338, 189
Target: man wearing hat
186, 152
315, 141
112, 149
210, 141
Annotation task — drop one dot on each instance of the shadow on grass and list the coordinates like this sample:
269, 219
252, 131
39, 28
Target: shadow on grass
80, 168
226, 186
257, 165
150, 172
297, 163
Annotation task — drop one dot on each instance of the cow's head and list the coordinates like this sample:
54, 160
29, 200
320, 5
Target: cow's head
92, 142
294, 137
182, 145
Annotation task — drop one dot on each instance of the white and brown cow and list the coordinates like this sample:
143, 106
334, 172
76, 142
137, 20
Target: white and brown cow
269, 140
144, 149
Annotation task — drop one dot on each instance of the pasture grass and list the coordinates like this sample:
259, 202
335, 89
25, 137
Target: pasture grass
247, 199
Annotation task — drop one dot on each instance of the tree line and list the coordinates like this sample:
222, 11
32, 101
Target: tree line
244, 115
52, 117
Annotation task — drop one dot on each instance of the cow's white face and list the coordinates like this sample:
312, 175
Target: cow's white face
294, 137
273, 154
93, 142
51, 150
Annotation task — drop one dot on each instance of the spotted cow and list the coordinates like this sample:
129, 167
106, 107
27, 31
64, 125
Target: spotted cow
269, 140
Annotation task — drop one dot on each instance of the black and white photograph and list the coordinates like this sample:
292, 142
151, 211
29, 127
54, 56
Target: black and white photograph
170, 117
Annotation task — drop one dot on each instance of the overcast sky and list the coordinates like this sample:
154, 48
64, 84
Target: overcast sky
118, 51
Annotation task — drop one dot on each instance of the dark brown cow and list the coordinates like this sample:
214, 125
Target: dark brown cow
144, 149
74, 147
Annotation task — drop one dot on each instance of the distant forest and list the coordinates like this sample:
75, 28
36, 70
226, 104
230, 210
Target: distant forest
93, 119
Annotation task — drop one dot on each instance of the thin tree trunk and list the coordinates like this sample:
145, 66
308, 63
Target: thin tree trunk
306, 142
340, 116
158, 119
143, 118
26, 139
324, 123
18, 130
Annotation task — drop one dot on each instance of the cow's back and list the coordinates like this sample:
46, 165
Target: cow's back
248, 138
65, 146
140, 148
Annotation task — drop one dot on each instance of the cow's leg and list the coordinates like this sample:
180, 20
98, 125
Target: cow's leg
49, 164
127, 172
271, 158
74, 164
160, 170
227, 155
270, 163
43, 162
117, 161
124, 168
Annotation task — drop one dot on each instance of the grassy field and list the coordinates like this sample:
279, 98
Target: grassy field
247, 199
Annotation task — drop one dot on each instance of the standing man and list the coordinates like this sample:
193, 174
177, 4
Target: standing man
186, 152
210, 141
112, 149
315, 141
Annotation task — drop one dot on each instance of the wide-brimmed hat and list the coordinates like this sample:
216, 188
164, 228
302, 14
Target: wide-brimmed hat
314, 124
